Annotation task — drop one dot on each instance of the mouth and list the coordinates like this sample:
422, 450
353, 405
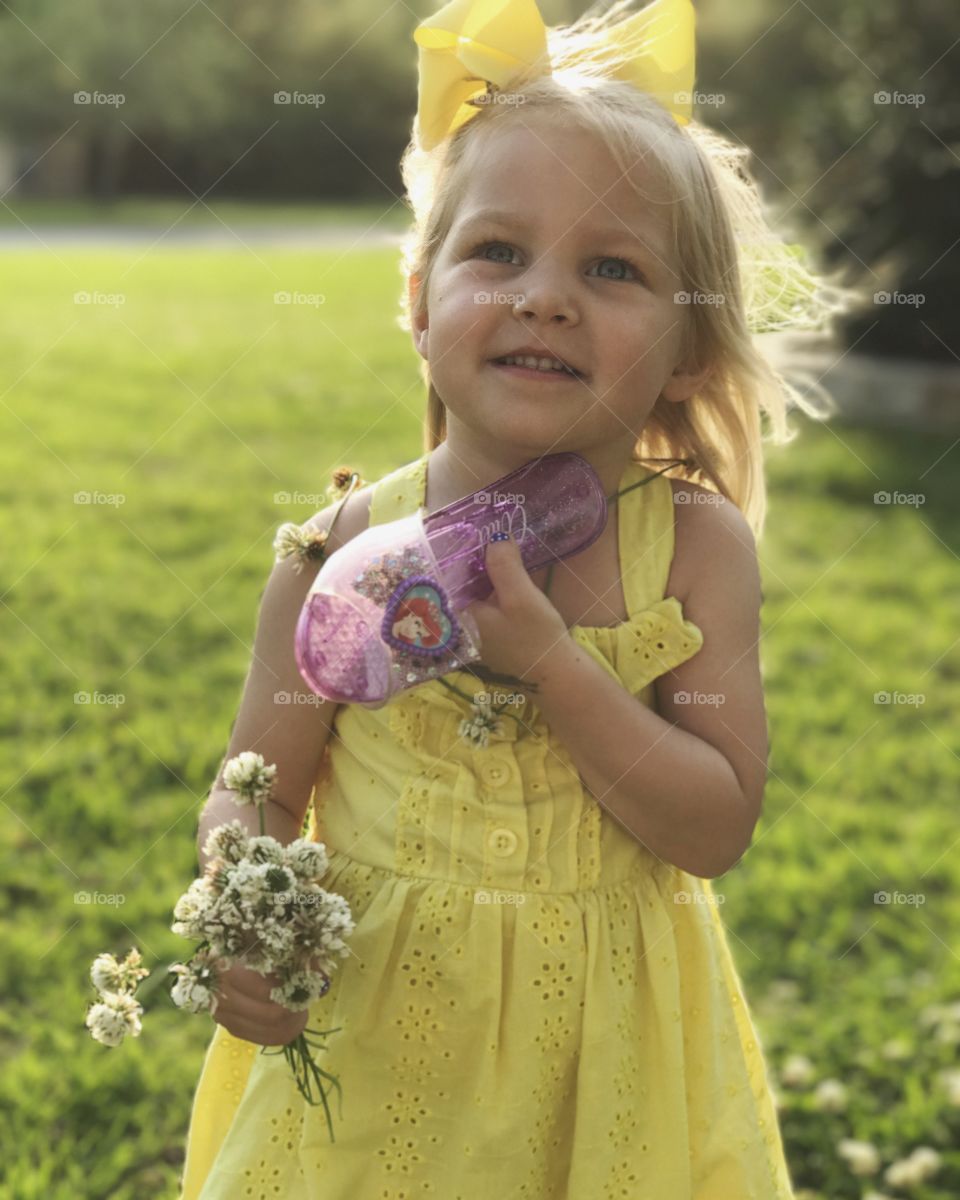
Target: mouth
543, 370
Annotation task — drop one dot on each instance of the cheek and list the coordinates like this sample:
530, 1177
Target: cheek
645, 339
459, 317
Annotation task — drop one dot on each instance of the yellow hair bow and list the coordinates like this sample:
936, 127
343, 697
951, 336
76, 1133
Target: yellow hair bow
474, 46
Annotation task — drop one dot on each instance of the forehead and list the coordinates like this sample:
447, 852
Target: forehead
535, 169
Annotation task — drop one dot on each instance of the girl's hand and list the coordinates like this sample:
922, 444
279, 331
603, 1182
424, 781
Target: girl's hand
244, 1008
520, 629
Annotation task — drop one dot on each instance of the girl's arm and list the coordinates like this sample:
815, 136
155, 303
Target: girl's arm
279, 717
687, 784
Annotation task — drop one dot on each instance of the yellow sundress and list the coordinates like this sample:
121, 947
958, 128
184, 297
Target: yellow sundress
534, 1007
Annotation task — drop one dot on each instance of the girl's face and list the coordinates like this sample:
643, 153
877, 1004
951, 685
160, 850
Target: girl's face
575, 265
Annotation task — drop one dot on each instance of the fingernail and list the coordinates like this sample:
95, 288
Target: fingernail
499, 536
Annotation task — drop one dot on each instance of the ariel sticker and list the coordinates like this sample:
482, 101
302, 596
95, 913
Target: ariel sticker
418, 618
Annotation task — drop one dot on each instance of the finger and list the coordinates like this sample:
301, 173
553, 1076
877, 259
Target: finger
271, 1022
278, 1029
248, 990
501, 553
505, 567
244, 982
477, 609
264, 1033
233, 1003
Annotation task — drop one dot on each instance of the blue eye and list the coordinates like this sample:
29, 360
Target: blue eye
623, 262
486, 246
626, 262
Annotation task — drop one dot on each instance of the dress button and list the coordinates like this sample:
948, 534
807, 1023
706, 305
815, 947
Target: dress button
494, 774
502, 842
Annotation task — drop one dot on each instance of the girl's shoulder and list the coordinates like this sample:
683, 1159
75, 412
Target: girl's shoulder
702, 521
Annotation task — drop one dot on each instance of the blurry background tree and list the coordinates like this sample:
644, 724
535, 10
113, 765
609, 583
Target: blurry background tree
199, 83
871, 184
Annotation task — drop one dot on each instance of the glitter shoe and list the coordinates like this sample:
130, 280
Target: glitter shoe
387, 610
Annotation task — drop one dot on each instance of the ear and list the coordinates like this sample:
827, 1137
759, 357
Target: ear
418, 324
685, 381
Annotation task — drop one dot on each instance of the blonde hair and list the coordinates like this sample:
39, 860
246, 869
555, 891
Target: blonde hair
722, 241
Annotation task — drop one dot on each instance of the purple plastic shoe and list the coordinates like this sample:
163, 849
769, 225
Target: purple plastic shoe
386, 610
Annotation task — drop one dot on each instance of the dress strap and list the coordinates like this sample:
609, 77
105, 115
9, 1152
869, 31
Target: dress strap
646, 537
400, 493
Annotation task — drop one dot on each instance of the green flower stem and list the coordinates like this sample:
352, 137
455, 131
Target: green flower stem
308, 1073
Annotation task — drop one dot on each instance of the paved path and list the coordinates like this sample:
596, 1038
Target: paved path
897, 393
15, 237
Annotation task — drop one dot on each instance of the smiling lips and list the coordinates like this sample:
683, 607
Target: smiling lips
534, 375
536, 366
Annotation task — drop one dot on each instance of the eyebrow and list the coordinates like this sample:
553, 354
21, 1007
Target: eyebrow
496, 216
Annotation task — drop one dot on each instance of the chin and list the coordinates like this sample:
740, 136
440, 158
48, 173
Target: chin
532, 416
528, 432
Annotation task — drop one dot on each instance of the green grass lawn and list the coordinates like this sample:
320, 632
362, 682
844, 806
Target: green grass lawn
197, 400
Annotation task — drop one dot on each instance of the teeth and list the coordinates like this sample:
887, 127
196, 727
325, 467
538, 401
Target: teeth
539, 364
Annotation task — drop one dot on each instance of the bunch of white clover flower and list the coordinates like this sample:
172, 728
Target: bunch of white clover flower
261, 902
117, 1012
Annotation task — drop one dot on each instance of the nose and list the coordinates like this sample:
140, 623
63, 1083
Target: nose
543, 294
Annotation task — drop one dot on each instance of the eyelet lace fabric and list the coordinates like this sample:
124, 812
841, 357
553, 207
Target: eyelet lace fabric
535, 1007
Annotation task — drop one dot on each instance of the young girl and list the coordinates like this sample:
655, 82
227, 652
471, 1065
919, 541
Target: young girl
540, 1002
